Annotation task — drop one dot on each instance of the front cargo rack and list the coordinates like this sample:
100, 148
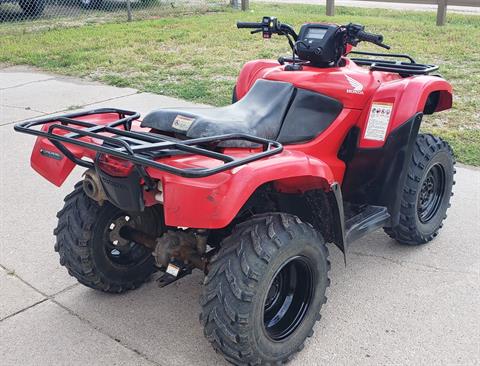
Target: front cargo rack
403, 68
140, 148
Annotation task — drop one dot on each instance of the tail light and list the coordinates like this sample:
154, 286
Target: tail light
114, 166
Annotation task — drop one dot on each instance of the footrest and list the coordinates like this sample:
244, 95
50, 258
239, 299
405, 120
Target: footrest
370, 219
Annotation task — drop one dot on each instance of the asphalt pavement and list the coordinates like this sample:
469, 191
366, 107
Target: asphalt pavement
391, 304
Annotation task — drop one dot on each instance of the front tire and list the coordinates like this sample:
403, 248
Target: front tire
265, 289
426, 193
91, 247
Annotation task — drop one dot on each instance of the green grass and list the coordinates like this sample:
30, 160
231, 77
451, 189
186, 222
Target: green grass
198, 56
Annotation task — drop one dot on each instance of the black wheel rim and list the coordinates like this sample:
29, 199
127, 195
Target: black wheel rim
288, 298
120, 251
431, 194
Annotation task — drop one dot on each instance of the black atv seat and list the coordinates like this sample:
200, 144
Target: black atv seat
271, 109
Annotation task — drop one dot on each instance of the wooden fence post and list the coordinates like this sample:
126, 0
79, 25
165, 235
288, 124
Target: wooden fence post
441, 12
245, 5
330, 8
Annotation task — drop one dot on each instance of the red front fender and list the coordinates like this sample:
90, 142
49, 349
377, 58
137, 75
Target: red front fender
408, 97
213, 202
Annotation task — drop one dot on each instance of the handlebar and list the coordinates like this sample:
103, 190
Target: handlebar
370, 37
270, 25
357, 34
376, 39
249, 25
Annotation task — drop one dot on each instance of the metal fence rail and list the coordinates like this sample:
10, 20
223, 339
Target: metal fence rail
441, 6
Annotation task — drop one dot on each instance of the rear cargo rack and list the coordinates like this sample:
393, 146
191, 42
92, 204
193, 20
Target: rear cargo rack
140, 148
400, 67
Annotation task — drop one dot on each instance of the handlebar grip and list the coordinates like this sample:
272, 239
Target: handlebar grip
370, 37
249, 25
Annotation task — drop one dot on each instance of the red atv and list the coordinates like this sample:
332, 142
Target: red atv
317, 147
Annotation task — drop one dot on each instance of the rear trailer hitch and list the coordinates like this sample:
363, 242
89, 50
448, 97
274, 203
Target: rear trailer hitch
176, 252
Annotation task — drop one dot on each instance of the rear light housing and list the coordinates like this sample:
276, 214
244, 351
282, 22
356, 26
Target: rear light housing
114, 166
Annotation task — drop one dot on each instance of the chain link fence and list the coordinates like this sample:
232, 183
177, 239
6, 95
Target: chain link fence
30, 15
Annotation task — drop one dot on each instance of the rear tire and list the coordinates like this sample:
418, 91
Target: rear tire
426, 193
265, 289
90, 248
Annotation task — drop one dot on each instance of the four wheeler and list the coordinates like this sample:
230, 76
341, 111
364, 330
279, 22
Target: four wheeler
318, 147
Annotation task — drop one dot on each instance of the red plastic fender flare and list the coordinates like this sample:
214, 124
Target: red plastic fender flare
213, 202
408, 97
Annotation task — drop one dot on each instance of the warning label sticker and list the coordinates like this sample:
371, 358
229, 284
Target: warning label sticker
173, 270
182, 123
378, 121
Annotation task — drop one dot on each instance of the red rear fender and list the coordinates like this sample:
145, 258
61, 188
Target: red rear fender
51, 164
213, 202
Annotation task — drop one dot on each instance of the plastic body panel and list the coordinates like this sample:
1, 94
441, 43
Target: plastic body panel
221, 196
51, 164
214, 201
408, 95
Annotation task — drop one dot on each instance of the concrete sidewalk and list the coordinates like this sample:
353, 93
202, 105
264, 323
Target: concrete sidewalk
391, 305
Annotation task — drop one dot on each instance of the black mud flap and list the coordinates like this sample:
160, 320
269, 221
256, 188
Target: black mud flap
124, 192
336, 204
366, 221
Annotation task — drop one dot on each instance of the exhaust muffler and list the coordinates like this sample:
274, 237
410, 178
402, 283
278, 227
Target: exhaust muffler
93, 187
